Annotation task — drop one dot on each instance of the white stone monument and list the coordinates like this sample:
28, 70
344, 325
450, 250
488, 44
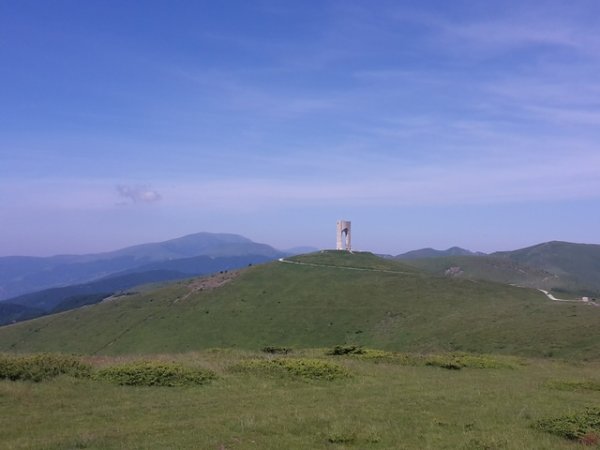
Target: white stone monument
343, 235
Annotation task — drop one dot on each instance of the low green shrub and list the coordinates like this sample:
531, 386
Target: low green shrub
42, 366
453, 361
154, 374
445, 362
357, 350
583, 427
312, 369
574, 385
276, 350
378, 355
457, 361
345, 350
341, 437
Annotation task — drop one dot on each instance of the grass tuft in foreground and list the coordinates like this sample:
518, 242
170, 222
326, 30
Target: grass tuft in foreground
40, 367
154, 374
583, 427
303, 368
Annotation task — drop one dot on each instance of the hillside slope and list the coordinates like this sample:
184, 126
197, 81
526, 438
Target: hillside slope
382, 304
12, 312
39, 303
579, 262
490, 268
570, 270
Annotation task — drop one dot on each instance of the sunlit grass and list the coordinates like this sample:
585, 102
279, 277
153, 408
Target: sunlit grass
383, 405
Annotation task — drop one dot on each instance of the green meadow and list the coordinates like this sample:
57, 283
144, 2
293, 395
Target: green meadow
376, 403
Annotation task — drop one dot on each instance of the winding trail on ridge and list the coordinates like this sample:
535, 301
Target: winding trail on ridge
553, 298
283, 260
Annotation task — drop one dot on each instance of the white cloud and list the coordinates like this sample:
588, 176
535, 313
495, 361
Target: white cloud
138, 194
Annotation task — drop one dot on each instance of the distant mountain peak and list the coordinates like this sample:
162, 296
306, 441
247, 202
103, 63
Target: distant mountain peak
19, 275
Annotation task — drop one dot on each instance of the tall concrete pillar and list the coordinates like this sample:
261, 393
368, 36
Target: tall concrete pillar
343, 235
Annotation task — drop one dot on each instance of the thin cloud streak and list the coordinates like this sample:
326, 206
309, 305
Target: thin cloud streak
138, 194
550, 179
491, 178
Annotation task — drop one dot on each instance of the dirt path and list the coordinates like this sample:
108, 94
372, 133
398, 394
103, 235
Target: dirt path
209, 283
553, 298
344, 267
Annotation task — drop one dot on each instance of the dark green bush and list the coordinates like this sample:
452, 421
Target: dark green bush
444, 363
575, 385
340, 437
457, 361
154, 374
43, 366
346, 350
453, 361
583, 427
276, 350
313, 369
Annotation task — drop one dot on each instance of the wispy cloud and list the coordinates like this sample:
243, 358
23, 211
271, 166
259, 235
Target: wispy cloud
138, 194
486, 181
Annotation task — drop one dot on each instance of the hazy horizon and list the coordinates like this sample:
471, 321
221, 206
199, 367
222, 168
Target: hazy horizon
331, 246
427, 124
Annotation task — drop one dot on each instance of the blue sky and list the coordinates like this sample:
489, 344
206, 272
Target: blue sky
429, 123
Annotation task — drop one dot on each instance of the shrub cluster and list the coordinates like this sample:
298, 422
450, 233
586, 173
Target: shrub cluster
346, 350
453, 361
277, 350
312, 369
43, 366
583, 427
377, 355
457, 361
154, 374
575, 385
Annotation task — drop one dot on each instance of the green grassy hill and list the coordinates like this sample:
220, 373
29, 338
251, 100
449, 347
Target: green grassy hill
48, 301
331, 298
569, 270
578, 262
492, 268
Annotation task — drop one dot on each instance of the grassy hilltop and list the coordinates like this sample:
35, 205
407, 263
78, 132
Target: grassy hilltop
322, 302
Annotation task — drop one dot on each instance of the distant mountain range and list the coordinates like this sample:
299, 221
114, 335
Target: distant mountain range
32, 286
23, 274
559, 266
